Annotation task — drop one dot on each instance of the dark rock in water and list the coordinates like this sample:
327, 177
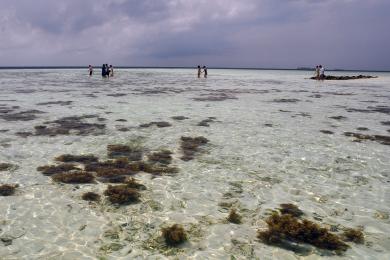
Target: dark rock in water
121, 120
362, 129
77, 158
338, 117
117, 95
370, 109
353, 235
385, 122
24, 134
8, 189
74, 177
190, 146
7, 166
91, 196
158, 124
287, 228
285, 100
62, 103
163, 157
174, 235
327, 132
54, 169
329, 77
234, 217
268, 125
21, 116
362, 137
315, 96
122, 194
179, 118
4, 130
123, 129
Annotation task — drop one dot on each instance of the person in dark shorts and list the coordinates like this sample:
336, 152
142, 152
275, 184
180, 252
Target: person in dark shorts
205, 71
90, 69
199, 71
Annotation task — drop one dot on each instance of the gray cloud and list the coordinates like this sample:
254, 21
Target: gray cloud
248, 33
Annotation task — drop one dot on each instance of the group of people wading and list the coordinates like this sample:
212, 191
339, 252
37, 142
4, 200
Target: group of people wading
202, 70
107, 71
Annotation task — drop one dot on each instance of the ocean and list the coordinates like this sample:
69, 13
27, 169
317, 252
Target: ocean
273, 137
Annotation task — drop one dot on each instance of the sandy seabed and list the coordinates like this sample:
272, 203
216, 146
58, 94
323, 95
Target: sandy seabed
273, 137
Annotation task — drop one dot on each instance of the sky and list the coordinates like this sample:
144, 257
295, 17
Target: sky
348, 34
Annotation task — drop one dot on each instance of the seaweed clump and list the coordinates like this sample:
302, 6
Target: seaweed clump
54, 169
90, 196
159, 124
6, 166
190, 146
234, 217
77, 158
122, 194
7, 189
286, 227
174, 235
118, 151
353, 235
288, 208
363, 137
162, 157
74, 177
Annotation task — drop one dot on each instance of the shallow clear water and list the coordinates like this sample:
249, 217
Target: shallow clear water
261, 153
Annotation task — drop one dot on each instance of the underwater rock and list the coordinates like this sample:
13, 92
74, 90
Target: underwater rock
268, 125
328, 132
234, 217
174, 235
91, 196
24, 134
159, 124
215, 97
179, 118
134, 184
385, 122
288, 208
6, 166
353, 235
286, 227
54, 169
362, 129
383, 139
121, 120
8, 189
162, 157
77, 158
190, 146
122, 194
329, 77
74, 177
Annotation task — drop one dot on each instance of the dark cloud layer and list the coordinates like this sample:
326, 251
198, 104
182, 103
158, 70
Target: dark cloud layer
247, 33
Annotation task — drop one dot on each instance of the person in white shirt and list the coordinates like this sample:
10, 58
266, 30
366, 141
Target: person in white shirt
322, 72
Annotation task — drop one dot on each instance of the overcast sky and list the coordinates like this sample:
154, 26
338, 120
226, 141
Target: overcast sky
352, 34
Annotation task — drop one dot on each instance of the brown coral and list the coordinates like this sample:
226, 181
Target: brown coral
353, 235
234, 217
77, 158
54, 169
74, 177
91, 196
7, 189
122, 194
288, 208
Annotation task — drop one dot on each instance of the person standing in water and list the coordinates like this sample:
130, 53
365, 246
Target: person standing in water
205, 71
111, 71
90, 70
317, 72
322, 72
199, 71
104, 70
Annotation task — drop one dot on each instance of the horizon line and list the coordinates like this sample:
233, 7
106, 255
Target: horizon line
185, 67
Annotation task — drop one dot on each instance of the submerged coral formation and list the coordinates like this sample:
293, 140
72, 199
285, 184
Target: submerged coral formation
159, 124
6, 166
118, 150
288, 228
8, 189
163, 157
383, 139
174, 235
